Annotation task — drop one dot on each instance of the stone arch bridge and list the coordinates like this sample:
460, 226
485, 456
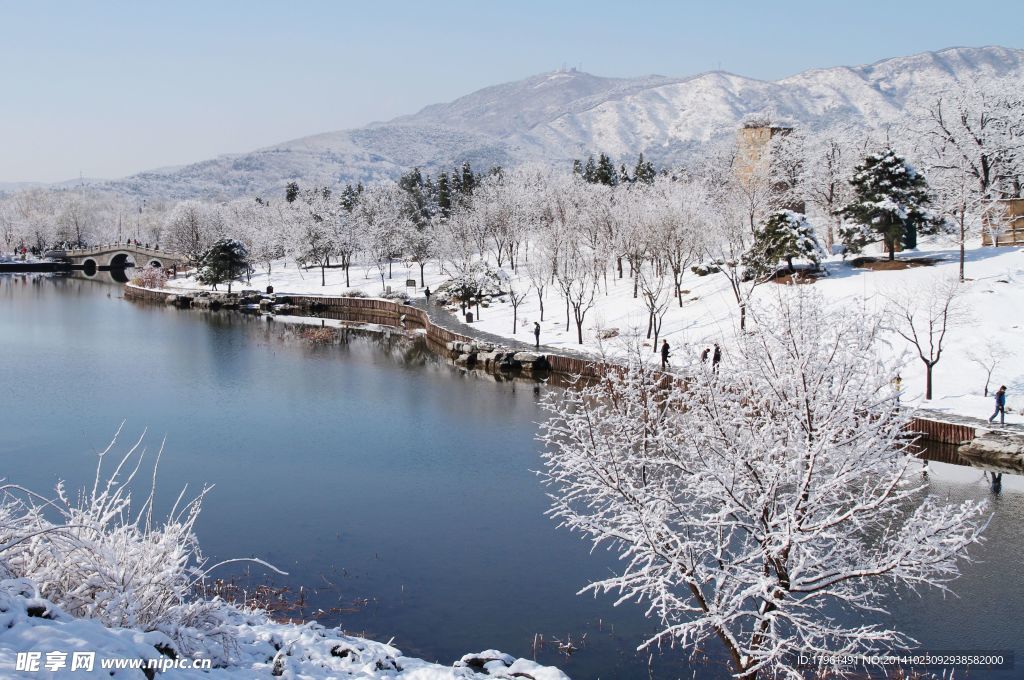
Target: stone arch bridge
118, 256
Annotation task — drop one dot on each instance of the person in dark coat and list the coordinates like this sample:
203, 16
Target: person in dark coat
704, 355
427, 293
1000, 406
664, 354
536, 334
716, 358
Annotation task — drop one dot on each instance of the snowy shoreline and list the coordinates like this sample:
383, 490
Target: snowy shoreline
994, 296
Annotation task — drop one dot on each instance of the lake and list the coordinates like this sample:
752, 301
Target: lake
387, 482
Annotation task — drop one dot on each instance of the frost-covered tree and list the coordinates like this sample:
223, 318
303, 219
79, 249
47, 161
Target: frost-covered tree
827, 167
577, 281
988, 358
923, 316
769, 507
315, 215
223, 262
382, 216
727, 247
979, 129
656, 291
890, 203
190, 228
784, 236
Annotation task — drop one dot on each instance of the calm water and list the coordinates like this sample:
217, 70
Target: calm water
375, 470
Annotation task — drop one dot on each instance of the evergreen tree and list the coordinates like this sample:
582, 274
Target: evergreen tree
444, 195
577, 167
890, 204
291, 191
349, 196
644, 171
421, 196
785, 235
224, 261
605, 173
624, 175
590, 171
468, 179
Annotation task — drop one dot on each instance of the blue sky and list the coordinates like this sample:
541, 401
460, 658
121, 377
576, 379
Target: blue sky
106, 89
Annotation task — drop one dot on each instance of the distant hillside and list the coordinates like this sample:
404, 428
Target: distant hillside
554, 117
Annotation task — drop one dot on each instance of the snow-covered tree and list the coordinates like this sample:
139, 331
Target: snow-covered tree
315, 214
890, 202
979, 129
382, 216
828, 165
770, 506
223, 262
190, 228
784, 236
923, 316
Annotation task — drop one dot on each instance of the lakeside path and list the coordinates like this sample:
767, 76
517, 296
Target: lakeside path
441, 317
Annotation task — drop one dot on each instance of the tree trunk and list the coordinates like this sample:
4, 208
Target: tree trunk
323, 275
422, 284
928, 381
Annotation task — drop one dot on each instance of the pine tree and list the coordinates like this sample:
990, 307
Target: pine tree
291, 191
577, 168
224, 261
444, 195
590, 171
468, 179
644, 171
349, 196
785, 235
890, 204
606, 171
624, 175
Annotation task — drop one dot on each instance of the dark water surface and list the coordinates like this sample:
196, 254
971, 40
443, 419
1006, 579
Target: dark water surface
375, 470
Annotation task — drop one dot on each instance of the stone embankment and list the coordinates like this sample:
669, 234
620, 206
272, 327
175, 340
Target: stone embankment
494, 358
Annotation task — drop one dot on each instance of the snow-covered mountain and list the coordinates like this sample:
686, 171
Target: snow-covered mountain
554, 117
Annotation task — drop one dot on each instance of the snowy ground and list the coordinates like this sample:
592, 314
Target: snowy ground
252, 647
994, 298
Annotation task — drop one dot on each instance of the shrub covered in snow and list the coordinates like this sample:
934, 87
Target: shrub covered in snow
481, 281
150, 277
353, 293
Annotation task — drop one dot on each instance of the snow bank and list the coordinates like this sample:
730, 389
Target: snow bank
257, 648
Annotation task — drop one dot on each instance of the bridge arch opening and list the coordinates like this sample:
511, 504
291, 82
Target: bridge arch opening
121, 261
156, 264
89, 267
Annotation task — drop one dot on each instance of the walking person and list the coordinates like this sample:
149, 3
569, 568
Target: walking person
536, 334
664, 354
1000, 406
427, 293
716, 358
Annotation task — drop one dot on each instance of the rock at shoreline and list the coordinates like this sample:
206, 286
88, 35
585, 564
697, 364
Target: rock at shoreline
998, 448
